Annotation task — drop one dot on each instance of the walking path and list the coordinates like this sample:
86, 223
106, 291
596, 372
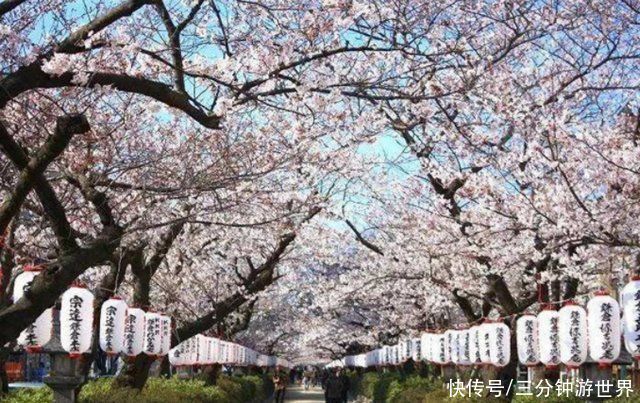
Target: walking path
297, 394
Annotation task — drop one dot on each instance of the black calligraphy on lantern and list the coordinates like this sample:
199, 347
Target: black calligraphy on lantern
530, 340
150, 334
30, 335
487, 345
500, 353
129, 336
606, 329
476, 342
636, 319
110, 325
575, 333
555, 340
75, 319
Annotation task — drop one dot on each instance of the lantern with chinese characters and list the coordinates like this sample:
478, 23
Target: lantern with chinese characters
464, 347
176, 355
382, 356
449, 345
630, 291
500, 344
631, 316
527, 340
603, 318
206, 351
440, 350
165, 334
573, 335
215, 350
416, 350
407, 348
474, 345
113, 314
76, 320
549, 337
38, 333
222, 352
152, 335
133, 332
485, 342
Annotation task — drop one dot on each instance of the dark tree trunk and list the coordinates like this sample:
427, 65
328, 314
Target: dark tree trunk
4, 379
165, 367
136, 372
211, 374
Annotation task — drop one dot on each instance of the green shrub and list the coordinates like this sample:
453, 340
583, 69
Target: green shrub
231, 387
409, 390
380, 387
29, 396
368, 384
158, 390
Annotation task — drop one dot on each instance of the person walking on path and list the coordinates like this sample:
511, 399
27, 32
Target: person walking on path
333, 388
344, 380
280, 385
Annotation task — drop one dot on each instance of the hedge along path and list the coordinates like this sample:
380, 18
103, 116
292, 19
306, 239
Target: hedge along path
297, 394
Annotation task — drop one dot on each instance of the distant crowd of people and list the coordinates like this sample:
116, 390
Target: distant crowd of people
335, 383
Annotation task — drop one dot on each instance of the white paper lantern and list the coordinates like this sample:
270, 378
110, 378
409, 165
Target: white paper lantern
464, 347
449, 345
416, 349
440, 350
152, 335
113, 314
527, 340
452, 339
76, 320
425, 346
573, 335
133, 340
38, 333
603, 318
165, 334
500, 344
474, 345
484, 339
175, 356
381, 356
223, 353
630, 290
631, 316
206, 351
191, 351
215, 351
549, 337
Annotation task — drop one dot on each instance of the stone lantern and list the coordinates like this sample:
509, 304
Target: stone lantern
66, 373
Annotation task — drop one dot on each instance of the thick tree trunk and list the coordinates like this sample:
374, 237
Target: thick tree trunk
136, 372
211, 374
165, 367
4, 378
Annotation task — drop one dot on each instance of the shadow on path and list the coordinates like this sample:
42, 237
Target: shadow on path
297, 394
